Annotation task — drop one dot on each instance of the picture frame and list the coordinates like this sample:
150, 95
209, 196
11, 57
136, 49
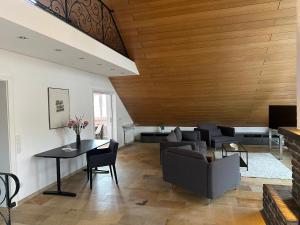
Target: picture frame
58, 107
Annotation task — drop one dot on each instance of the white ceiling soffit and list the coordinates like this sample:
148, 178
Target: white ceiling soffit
29, 30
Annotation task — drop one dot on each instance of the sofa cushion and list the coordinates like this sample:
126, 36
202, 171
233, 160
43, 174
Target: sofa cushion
178, 134
224, 139
172, 137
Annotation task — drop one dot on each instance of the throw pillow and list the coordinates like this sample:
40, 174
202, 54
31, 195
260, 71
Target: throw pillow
178, 134
172, 137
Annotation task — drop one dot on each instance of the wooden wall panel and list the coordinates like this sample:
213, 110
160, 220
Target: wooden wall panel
223, 61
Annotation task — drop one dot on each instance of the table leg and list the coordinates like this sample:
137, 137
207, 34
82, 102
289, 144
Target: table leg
270, 139
58, 184
280, 146
247, 160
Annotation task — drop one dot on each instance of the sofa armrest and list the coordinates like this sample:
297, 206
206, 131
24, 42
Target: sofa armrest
227, 131
224, 174
205, 135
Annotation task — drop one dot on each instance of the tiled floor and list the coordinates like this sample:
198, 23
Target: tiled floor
143, 198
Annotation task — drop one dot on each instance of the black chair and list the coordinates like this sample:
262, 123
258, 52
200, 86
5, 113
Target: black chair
103, 157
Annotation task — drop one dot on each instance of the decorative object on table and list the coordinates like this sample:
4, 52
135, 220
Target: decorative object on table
162, 128
58, 107
77, 125
234, 146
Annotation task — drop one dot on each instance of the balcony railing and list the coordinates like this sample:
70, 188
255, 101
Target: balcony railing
6, 198
92, 17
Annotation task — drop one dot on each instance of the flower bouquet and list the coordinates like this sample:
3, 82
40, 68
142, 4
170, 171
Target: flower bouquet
77, 125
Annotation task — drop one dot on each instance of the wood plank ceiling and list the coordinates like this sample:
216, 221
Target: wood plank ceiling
207, 60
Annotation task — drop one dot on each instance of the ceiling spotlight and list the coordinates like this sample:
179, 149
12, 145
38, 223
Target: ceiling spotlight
32, 1
58, 50
23, 37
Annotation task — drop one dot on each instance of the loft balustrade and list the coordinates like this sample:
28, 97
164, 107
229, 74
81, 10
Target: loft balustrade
92, 17
9, 183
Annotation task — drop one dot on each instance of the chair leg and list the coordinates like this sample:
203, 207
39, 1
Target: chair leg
115, 173
91, 178
110, 171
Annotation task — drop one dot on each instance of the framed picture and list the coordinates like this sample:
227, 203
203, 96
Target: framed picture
58, 107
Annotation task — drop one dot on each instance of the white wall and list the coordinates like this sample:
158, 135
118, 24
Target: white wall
30, 79
4, 134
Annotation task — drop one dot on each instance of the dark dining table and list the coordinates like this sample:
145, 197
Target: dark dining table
61, 153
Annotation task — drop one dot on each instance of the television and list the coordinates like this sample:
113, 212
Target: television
282, 116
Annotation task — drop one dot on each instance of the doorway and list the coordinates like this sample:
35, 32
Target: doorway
103, 115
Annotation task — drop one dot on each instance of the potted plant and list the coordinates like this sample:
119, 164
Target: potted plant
77, 125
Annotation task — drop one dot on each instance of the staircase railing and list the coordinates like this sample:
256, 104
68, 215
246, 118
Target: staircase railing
92, 17
6, 198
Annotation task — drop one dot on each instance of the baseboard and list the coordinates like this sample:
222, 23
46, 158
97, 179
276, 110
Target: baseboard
40, 191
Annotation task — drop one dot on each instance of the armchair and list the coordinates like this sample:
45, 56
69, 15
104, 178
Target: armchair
186, 139
191, 170
215, 135
104, 157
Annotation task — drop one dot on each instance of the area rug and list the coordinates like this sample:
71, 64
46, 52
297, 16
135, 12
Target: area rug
264, 165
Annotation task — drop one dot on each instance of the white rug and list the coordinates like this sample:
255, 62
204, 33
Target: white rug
263, 165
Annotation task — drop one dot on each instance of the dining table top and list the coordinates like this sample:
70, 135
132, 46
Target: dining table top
73, 150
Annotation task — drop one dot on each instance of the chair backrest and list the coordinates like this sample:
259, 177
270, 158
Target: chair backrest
113, 147
208, 126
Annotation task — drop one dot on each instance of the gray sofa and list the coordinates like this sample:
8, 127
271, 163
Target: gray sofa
186, 139
191, 170
215, 135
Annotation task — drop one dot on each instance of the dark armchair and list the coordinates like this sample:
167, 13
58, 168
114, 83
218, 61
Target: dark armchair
179, 138
102, 157
215, 135
191, 170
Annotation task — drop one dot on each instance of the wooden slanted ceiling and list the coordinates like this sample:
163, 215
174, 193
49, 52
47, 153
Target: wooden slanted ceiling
207, 60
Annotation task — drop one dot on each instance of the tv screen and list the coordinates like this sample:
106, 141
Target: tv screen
282, 116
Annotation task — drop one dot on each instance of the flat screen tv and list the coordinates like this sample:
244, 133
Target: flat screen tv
282, 116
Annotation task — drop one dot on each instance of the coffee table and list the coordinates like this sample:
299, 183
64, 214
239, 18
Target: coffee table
241, 149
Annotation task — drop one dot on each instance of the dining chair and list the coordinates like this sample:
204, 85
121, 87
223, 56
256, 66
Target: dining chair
103, 157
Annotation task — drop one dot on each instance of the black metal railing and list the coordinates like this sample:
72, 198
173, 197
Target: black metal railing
92, 17
6, 198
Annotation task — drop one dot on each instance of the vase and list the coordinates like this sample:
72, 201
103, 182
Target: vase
78, 141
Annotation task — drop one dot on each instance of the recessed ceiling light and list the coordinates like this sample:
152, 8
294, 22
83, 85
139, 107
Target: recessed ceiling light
23, 37
32, 1
58, 50
80, 58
